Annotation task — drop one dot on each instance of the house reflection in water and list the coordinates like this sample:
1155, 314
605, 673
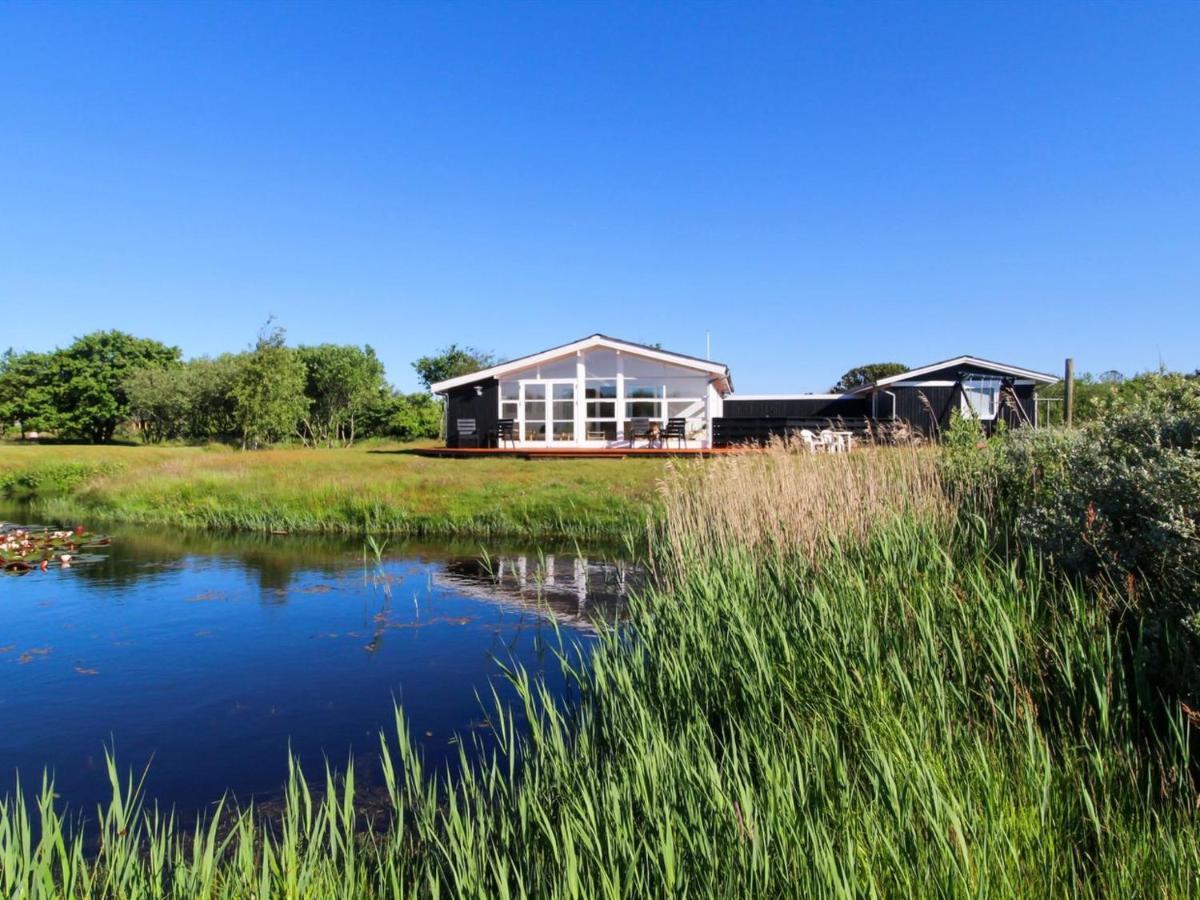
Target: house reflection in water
576, 590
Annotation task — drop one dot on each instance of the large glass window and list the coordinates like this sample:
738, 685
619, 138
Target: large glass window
601, 404
644, 409
981, 396
600, 430
510, 400
557, 368
685, 409
563, 411
535, 412
684, 387
661, 392
600, 363
652, 369
602, 410
545, 398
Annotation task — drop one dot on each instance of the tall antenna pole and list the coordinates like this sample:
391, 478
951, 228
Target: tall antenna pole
708, 345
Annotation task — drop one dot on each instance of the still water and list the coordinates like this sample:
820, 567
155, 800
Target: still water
207, 657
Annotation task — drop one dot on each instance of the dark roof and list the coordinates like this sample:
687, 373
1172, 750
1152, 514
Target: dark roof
609, 337
964, 359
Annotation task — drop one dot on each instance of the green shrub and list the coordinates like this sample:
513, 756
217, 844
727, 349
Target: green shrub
1116, 502
1120, 497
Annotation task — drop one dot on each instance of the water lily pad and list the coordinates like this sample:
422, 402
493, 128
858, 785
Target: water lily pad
29, 548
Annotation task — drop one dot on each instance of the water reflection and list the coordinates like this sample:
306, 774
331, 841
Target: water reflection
211, 655
576, 590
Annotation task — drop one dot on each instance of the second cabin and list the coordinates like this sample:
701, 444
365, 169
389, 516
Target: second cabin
924, 399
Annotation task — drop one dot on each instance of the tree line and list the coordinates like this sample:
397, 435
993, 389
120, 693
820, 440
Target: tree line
108, 384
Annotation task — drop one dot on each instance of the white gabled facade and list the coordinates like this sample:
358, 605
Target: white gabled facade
586, 393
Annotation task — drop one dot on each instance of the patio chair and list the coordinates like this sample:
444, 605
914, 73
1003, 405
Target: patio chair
677, 430
836, 441
809, 440
506, 430
640, 427
466, 434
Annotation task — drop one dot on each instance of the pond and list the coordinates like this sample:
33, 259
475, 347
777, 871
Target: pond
208, 657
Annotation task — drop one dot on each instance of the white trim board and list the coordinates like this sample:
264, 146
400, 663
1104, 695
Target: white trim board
587, 343
1021, 381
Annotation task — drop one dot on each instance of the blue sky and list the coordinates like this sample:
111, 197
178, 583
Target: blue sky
818, 185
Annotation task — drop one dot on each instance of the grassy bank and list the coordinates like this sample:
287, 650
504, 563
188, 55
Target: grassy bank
848, 696
378, 489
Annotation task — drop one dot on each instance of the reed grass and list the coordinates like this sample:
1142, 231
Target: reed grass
792, 502
864, 702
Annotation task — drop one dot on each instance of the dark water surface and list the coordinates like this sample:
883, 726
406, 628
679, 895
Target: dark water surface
208, 656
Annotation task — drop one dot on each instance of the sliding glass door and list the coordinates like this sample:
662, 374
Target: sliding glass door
562, 410
543, 411
601, 413
533, 409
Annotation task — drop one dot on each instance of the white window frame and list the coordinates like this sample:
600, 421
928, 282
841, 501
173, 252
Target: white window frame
971, 386
614, 419
699, 423
548, 419
551, 421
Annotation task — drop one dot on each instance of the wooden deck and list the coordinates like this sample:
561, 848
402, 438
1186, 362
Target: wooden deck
572, 452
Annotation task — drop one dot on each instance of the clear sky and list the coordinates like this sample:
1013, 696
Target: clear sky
818, 185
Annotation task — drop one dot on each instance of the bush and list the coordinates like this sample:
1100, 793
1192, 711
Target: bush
1116, 502
405, 417
1119, 497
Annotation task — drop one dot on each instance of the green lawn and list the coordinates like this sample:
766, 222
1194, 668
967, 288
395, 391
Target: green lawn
378, 488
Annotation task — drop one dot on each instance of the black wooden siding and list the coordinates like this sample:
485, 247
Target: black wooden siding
926, 408
797, 408
466, 403
1027, 398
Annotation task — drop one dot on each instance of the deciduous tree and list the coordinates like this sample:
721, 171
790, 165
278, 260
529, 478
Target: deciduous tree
868, 374
159, 401
268, 393
407, 417
341, 382
89, 380
452, 361
26, 392
212, 407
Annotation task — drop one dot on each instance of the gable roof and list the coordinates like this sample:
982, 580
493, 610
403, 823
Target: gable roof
720, 370
1015, 371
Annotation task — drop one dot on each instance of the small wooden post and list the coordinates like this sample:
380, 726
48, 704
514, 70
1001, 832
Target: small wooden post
1069, 393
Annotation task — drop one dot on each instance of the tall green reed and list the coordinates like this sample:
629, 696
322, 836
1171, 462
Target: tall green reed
871, 705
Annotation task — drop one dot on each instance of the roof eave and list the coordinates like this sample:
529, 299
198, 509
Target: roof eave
596, 340
1015, 371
